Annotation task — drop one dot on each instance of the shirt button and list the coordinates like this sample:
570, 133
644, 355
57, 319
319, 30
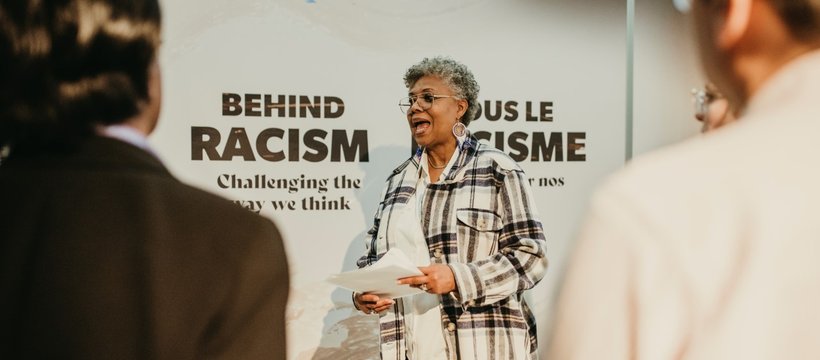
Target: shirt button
451, 327
438, 253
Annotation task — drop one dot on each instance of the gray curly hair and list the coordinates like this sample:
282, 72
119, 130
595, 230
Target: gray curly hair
454, 74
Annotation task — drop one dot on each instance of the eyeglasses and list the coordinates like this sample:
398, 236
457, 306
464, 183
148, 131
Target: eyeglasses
425, 101
683, 5
703, 98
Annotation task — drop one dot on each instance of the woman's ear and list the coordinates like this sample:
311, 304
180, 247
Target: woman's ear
736, 23
462, 108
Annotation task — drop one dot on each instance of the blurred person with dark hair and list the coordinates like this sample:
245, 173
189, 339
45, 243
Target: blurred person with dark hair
104, 254
708, 249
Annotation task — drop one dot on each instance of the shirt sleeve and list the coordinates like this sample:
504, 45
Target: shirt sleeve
520, 262
252, 325
595, 311
371, 253
624, 294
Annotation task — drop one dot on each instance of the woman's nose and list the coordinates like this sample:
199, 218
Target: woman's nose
415, 107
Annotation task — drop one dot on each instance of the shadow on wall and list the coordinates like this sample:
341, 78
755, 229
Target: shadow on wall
347, 333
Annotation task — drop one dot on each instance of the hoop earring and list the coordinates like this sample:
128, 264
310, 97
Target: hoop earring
460, 132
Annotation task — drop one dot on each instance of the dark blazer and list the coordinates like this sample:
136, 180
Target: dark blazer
104, 255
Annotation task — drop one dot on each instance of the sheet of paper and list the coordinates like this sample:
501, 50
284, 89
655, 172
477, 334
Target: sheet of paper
380, 278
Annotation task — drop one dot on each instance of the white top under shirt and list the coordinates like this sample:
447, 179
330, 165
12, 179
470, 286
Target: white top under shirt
422, 315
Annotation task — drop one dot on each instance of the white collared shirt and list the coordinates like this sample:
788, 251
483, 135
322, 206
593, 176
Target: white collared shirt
425, 334
127, 134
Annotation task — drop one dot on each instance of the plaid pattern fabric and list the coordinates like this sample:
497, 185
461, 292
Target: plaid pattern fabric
482, 222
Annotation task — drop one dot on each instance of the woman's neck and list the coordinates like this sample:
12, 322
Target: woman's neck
438, 156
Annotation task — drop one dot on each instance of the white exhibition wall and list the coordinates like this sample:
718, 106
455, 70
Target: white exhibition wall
666, 70
306, 92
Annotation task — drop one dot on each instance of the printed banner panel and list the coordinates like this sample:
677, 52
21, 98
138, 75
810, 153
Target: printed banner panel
289, 108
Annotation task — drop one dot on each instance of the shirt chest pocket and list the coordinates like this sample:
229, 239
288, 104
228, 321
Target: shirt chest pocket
478, 231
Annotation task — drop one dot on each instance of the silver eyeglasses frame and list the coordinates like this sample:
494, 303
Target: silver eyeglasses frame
683, 6
427, 100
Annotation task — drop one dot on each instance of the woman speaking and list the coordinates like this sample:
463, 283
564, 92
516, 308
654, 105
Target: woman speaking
463, 212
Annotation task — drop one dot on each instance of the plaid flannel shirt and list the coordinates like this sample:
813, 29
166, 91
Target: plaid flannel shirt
482, 222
